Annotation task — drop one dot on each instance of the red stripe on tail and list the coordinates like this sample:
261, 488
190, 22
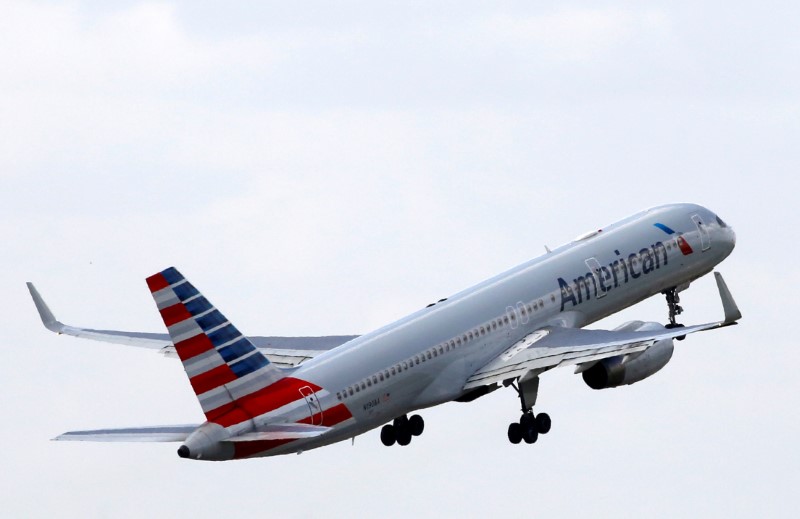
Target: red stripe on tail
212, 378
175, 314
193, 346
156, 282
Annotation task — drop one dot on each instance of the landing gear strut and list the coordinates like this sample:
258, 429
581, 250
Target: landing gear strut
402, 430
530, 425
672, 303
674, 309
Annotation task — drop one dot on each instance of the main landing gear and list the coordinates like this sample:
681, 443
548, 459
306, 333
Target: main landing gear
402, 430
674, 309
530, 425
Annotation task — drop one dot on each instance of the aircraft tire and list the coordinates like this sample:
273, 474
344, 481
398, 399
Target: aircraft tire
530, 434
403, 437
416, 425
515, 433
543, 423
526, 420
388, 436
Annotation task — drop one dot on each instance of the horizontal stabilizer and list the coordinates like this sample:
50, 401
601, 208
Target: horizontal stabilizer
289, 431
154, 433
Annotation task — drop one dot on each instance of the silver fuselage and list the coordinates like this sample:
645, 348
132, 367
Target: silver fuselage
574, 285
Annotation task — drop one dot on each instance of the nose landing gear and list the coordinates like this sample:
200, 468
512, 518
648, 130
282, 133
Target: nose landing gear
674, 309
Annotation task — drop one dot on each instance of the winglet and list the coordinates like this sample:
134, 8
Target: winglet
732, 313
48, 319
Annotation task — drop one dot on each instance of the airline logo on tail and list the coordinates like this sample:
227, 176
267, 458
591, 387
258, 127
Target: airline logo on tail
233, 381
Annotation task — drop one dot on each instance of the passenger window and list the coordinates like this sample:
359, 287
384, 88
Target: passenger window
381, 377
369, 383
441, 350
374, 379
429, 355
350, 390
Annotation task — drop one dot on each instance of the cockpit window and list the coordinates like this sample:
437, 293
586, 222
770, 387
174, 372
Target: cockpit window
721, 223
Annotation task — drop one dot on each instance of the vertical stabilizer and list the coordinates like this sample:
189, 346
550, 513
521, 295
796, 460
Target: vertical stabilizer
223, 366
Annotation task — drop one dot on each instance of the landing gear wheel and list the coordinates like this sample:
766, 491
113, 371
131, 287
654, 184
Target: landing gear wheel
530, 434
543, 423
515, 433
416, 425
676, 325
403, 436
388, 436
526, 420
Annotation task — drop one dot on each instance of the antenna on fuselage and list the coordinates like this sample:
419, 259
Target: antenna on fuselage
547, 249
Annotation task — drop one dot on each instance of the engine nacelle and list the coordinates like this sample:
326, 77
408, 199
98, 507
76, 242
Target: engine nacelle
627, 369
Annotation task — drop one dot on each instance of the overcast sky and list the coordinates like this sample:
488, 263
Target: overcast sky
330, 167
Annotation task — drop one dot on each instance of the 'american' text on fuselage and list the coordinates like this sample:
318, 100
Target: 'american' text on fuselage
621, 270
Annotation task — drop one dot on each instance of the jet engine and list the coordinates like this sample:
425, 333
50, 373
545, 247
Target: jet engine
627, 369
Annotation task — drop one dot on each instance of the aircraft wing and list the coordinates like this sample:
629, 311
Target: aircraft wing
284, 352
552, 346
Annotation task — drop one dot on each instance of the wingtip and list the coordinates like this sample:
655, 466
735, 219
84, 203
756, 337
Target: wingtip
48, 319
732, 312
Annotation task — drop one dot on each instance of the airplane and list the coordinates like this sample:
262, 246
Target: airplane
265, 396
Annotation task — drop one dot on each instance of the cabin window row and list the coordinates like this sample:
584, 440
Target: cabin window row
440, 349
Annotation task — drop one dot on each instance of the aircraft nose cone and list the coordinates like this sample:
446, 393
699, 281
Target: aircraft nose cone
183, 451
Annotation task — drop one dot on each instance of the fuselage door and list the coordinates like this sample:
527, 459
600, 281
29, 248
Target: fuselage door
705, 238
314, 407
600, 274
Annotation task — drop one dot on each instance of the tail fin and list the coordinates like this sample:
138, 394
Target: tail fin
223, 366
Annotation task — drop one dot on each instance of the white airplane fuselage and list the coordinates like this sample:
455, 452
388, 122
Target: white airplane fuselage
426, 358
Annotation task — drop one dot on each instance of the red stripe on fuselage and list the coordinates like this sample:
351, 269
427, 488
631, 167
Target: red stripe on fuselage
330, 417
156, 282
212, 378
282, 392
174, 314
193, 346
247, 449
333, 416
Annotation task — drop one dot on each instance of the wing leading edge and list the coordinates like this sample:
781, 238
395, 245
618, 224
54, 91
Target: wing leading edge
553, 346
284, 352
